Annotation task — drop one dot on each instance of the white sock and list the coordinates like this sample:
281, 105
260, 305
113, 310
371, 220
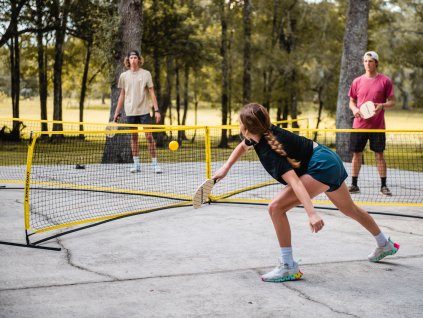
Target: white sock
381, 239
286, 254
154, 161
136, 160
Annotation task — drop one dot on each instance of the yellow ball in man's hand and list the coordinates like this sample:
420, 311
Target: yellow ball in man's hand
173, 145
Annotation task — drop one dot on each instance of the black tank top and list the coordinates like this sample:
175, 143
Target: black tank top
297, 147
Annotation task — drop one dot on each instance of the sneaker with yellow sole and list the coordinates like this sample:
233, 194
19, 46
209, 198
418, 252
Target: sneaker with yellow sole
283, 273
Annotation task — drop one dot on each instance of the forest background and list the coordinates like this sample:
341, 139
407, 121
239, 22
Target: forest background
64, 56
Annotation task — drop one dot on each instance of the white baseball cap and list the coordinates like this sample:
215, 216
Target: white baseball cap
372, 54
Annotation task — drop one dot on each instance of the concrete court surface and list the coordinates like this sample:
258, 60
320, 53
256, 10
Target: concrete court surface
207, 263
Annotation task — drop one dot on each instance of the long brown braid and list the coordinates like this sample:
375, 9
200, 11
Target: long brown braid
256, 120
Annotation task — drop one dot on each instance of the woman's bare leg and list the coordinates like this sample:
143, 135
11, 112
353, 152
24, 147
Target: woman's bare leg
341, 198
286, 200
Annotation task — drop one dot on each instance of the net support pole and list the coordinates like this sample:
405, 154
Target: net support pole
33, 139
208, 153
31, 246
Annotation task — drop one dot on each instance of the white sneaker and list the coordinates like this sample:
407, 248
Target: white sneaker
135, 169
156, 168
381, 252
282, 273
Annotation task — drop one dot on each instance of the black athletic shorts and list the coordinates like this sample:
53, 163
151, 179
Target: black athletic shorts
327, 167
140, 119
358, 141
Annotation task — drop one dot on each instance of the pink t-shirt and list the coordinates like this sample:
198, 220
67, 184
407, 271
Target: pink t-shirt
377, 90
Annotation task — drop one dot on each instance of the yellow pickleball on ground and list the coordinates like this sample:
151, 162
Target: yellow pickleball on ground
173, 145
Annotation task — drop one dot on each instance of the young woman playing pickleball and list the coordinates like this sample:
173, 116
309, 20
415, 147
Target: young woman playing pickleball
307, 169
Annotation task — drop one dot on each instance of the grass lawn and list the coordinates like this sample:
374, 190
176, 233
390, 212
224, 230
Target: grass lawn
96, 112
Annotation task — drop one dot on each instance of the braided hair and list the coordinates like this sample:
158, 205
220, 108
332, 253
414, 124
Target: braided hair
256, 120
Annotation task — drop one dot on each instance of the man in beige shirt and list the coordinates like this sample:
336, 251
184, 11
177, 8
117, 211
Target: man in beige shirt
134, 85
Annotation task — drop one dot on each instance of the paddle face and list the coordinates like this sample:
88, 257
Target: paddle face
367, 110
202, 193
110, 127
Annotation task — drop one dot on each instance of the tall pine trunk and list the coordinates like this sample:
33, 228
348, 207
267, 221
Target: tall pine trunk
129, 38
178, 94
16, 84
268, 70
186, 93
84, 85
355, 45
246, 93
61, 20
118, 148
42, 67
225, 73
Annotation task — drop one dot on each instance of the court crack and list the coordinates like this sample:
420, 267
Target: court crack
68, 255
308, 298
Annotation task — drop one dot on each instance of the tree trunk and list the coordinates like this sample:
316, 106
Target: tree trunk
287, 43
84, 86
196, 95
247, 52
399, 84
321, 104
14, 69
156, 81
404, 95
280, 109
61, 20
285, 109
268, 72
225, 73
167, 98
355, 44
186, 94
166, 101
267, 87
129, 38
12, 28
178, 99
182, 135
178, 95
118, 148
15, 75
157, 62
294, 98
230, 63
42, 67
16, 84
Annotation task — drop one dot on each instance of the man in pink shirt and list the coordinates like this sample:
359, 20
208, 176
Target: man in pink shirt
378, 88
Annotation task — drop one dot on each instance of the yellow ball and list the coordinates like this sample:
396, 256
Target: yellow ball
173, 145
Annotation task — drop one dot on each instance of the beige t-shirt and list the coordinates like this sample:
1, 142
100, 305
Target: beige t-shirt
136, 85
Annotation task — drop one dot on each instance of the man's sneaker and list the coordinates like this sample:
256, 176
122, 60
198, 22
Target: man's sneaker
354, 189
381, 252
135, 169
385, 190
283, 273
157, 169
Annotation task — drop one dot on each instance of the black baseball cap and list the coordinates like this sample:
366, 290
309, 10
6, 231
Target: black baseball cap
134, 52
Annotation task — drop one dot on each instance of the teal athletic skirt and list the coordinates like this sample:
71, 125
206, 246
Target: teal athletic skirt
327, 167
